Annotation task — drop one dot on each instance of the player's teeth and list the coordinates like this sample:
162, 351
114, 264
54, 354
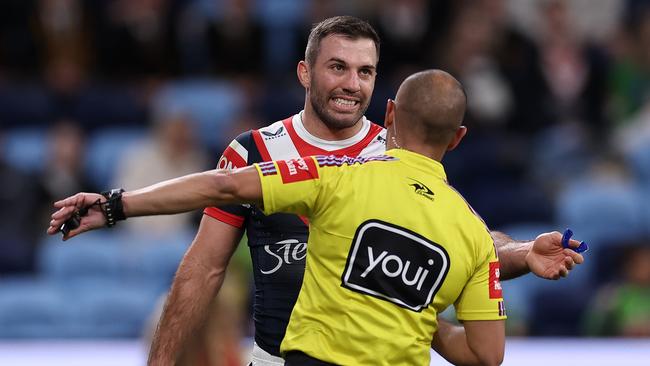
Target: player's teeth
344, 102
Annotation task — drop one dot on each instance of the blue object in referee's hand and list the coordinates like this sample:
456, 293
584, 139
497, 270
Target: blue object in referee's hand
583, 247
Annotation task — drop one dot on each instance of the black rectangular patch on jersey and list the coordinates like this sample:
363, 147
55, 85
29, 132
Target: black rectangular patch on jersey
395, 264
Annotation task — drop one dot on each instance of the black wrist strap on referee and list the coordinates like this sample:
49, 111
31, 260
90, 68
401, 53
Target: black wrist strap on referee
113, 208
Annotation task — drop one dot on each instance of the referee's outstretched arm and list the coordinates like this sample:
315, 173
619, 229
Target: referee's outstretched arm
187, 193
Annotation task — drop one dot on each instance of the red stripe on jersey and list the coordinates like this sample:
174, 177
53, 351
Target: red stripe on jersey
306, 149
223, 216
259, 142
231, 160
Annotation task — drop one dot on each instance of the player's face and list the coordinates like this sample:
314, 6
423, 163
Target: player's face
342, 80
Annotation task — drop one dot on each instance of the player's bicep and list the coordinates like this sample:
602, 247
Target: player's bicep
214, 243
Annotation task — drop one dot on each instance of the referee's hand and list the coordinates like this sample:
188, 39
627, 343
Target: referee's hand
93, 219
548, 259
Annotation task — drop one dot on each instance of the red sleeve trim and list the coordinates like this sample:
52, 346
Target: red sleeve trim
225, 217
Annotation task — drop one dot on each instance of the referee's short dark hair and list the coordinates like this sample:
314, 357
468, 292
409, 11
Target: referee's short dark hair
347, 26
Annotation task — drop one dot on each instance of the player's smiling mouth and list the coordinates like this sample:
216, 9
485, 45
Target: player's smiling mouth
345, 104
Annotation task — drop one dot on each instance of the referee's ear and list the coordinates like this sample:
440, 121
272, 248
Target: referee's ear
458, 135
389, 117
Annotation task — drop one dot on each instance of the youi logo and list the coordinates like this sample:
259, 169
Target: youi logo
395, 264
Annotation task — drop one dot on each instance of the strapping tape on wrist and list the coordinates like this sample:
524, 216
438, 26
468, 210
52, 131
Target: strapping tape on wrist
113, 208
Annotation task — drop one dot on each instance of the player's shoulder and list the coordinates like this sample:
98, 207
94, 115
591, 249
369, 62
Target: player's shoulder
375, 141
275, 130
243, 150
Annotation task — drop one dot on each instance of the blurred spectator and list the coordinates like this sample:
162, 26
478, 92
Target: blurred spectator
172, 151
134, 39
623, 308
62, 31
575, 74
236, 40
497, 65
18, 203
19, 54
221, 38
63, 172
405, 28
630, 79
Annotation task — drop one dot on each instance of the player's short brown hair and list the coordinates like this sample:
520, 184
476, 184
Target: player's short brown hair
347, 26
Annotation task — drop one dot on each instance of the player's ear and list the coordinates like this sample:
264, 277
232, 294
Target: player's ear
460, 133
389, 117
303, 74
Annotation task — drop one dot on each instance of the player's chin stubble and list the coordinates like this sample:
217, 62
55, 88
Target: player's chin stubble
319, 105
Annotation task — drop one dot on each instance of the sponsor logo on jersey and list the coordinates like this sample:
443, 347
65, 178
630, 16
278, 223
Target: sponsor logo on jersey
422, 189
495, 285
287, 252
332, 160
273, 135
297, 170
395, 264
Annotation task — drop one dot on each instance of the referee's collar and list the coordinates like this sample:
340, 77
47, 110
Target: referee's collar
419, 161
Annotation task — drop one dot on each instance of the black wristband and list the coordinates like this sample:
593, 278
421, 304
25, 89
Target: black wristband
113, 208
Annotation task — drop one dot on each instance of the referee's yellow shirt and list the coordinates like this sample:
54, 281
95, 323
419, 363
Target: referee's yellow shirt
391, 245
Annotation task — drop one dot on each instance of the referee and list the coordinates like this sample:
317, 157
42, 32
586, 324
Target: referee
391, 243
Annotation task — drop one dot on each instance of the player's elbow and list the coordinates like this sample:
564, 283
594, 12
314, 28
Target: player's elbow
223, 187
492, 356
493, 359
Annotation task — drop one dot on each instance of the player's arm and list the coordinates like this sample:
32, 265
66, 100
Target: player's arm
480, 342
544, 256
198, 280
187, 193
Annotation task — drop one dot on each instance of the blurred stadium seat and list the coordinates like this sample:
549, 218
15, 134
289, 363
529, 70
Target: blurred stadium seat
105, 148
212, 105
33, 308
94, 255
99, 285
112, 309
103, 106
602, 211
25, 148
24, 104
154, 259
558, 311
